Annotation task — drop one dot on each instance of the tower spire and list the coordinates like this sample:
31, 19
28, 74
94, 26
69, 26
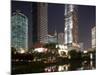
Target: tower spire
55, 31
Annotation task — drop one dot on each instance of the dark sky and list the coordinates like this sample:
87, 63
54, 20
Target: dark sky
56, 17
86, 15
87, 20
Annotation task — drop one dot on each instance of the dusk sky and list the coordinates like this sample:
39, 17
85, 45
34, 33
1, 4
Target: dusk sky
86, 18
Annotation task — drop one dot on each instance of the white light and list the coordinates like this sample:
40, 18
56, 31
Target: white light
85, 51
63, 67
91, 56
22, 51
40, 50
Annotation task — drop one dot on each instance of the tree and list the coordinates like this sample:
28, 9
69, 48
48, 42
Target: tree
74, 54
13, 50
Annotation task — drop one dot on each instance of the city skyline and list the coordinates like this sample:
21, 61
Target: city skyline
56, 20
51, 37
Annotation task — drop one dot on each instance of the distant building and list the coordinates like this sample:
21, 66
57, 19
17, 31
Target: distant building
93, 32
52, 38
19, 31
71, 26
81, 44
60, 38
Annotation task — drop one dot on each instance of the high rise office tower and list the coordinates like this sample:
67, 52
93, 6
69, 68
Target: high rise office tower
93, 32
40, 22
71, 26
19, 31
34, 27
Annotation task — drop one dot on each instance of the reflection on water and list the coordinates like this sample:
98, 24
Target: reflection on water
56, 68
71, 66
63, 67
51, 69
85, 65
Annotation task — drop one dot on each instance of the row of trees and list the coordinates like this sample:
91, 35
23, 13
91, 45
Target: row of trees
52, 52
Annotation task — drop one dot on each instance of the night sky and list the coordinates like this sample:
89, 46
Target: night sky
86, 17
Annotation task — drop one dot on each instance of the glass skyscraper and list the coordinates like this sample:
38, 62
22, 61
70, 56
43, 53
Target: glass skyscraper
71, 25
19, 31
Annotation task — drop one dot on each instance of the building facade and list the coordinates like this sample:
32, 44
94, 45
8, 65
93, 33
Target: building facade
60, 38
19, 31
40, 22
71, 26
52, 38
81, 44
93, 31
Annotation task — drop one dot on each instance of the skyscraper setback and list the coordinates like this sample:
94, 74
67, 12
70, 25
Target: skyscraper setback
71, 26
